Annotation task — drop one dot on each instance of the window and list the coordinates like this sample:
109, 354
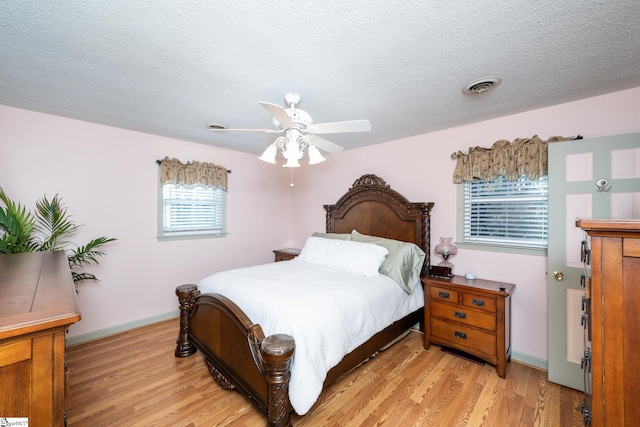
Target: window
193, 211
505, 213
192, 200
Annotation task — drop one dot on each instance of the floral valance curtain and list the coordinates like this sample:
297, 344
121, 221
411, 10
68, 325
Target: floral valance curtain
523, 156
189, 175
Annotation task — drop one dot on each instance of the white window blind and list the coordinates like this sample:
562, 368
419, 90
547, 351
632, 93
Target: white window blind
196, 210
506, 213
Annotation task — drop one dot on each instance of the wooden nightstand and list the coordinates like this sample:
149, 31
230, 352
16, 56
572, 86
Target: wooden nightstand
469, 315
286, 254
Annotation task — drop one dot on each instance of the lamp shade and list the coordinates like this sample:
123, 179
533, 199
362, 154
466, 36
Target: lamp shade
314, 155
293, 153
269, 154
292, 162
446, 248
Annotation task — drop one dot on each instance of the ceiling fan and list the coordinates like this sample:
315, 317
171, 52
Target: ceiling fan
299, 133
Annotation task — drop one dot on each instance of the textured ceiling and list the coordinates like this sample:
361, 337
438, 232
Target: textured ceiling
170, 68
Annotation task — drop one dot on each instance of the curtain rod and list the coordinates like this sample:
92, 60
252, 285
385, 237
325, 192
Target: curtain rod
160, 162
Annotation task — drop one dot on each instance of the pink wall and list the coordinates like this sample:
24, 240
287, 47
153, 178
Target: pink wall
107, 178
421, 168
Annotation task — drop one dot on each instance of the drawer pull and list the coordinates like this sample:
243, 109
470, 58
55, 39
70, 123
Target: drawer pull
478, 302
443, 294
461, 335
460, 315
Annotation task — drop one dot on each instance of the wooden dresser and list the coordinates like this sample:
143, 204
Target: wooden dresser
612, 350
38, 302
469, 315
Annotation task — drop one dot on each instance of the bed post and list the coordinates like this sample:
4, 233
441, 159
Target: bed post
425, 212
186, 297
277, 355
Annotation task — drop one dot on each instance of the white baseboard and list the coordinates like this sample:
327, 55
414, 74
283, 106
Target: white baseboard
101, 333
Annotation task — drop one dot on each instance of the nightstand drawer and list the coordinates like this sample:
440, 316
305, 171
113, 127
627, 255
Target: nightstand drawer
464, 336
465, 316
480, 302
443, 294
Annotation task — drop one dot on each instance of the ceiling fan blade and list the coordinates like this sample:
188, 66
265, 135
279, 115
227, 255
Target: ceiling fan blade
323, 144
340, 127
278, 113
245, 130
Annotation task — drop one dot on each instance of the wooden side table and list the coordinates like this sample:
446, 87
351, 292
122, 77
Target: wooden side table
473, 316
286, 254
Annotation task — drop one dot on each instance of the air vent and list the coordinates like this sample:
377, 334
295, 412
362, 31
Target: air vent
214, 126
481, 85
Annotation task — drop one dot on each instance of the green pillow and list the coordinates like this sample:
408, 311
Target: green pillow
404, 262
338, 236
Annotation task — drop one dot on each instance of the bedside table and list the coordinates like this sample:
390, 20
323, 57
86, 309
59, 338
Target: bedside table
473, 316
286, 254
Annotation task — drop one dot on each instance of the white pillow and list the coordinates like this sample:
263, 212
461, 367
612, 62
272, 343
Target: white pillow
344, 255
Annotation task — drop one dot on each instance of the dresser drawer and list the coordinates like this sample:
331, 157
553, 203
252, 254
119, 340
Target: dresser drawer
481, 302
464, 336
631, 247
465, 316
444, 294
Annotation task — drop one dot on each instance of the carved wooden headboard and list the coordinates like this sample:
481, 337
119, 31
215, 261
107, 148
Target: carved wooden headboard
372, 207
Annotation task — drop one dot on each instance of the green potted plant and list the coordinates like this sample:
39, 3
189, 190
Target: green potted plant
48, 229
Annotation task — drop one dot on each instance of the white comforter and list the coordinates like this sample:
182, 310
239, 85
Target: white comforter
329, 313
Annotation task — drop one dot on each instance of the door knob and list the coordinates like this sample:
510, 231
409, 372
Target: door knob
558, 275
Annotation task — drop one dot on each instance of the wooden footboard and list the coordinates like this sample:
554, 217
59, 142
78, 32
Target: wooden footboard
240, 357
236, 351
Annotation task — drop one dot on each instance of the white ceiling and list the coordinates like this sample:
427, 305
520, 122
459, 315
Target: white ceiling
171, 67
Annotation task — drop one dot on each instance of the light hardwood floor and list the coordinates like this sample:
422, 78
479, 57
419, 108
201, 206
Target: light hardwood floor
133, 379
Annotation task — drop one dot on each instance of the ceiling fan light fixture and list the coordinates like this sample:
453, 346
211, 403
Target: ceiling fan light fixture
299, 133
314, 155
291, 163
482, 85
269, 154
292, 150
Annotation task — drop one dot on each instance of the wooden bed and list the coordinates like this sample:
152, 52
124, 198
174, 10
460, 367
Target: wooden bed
235, 349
